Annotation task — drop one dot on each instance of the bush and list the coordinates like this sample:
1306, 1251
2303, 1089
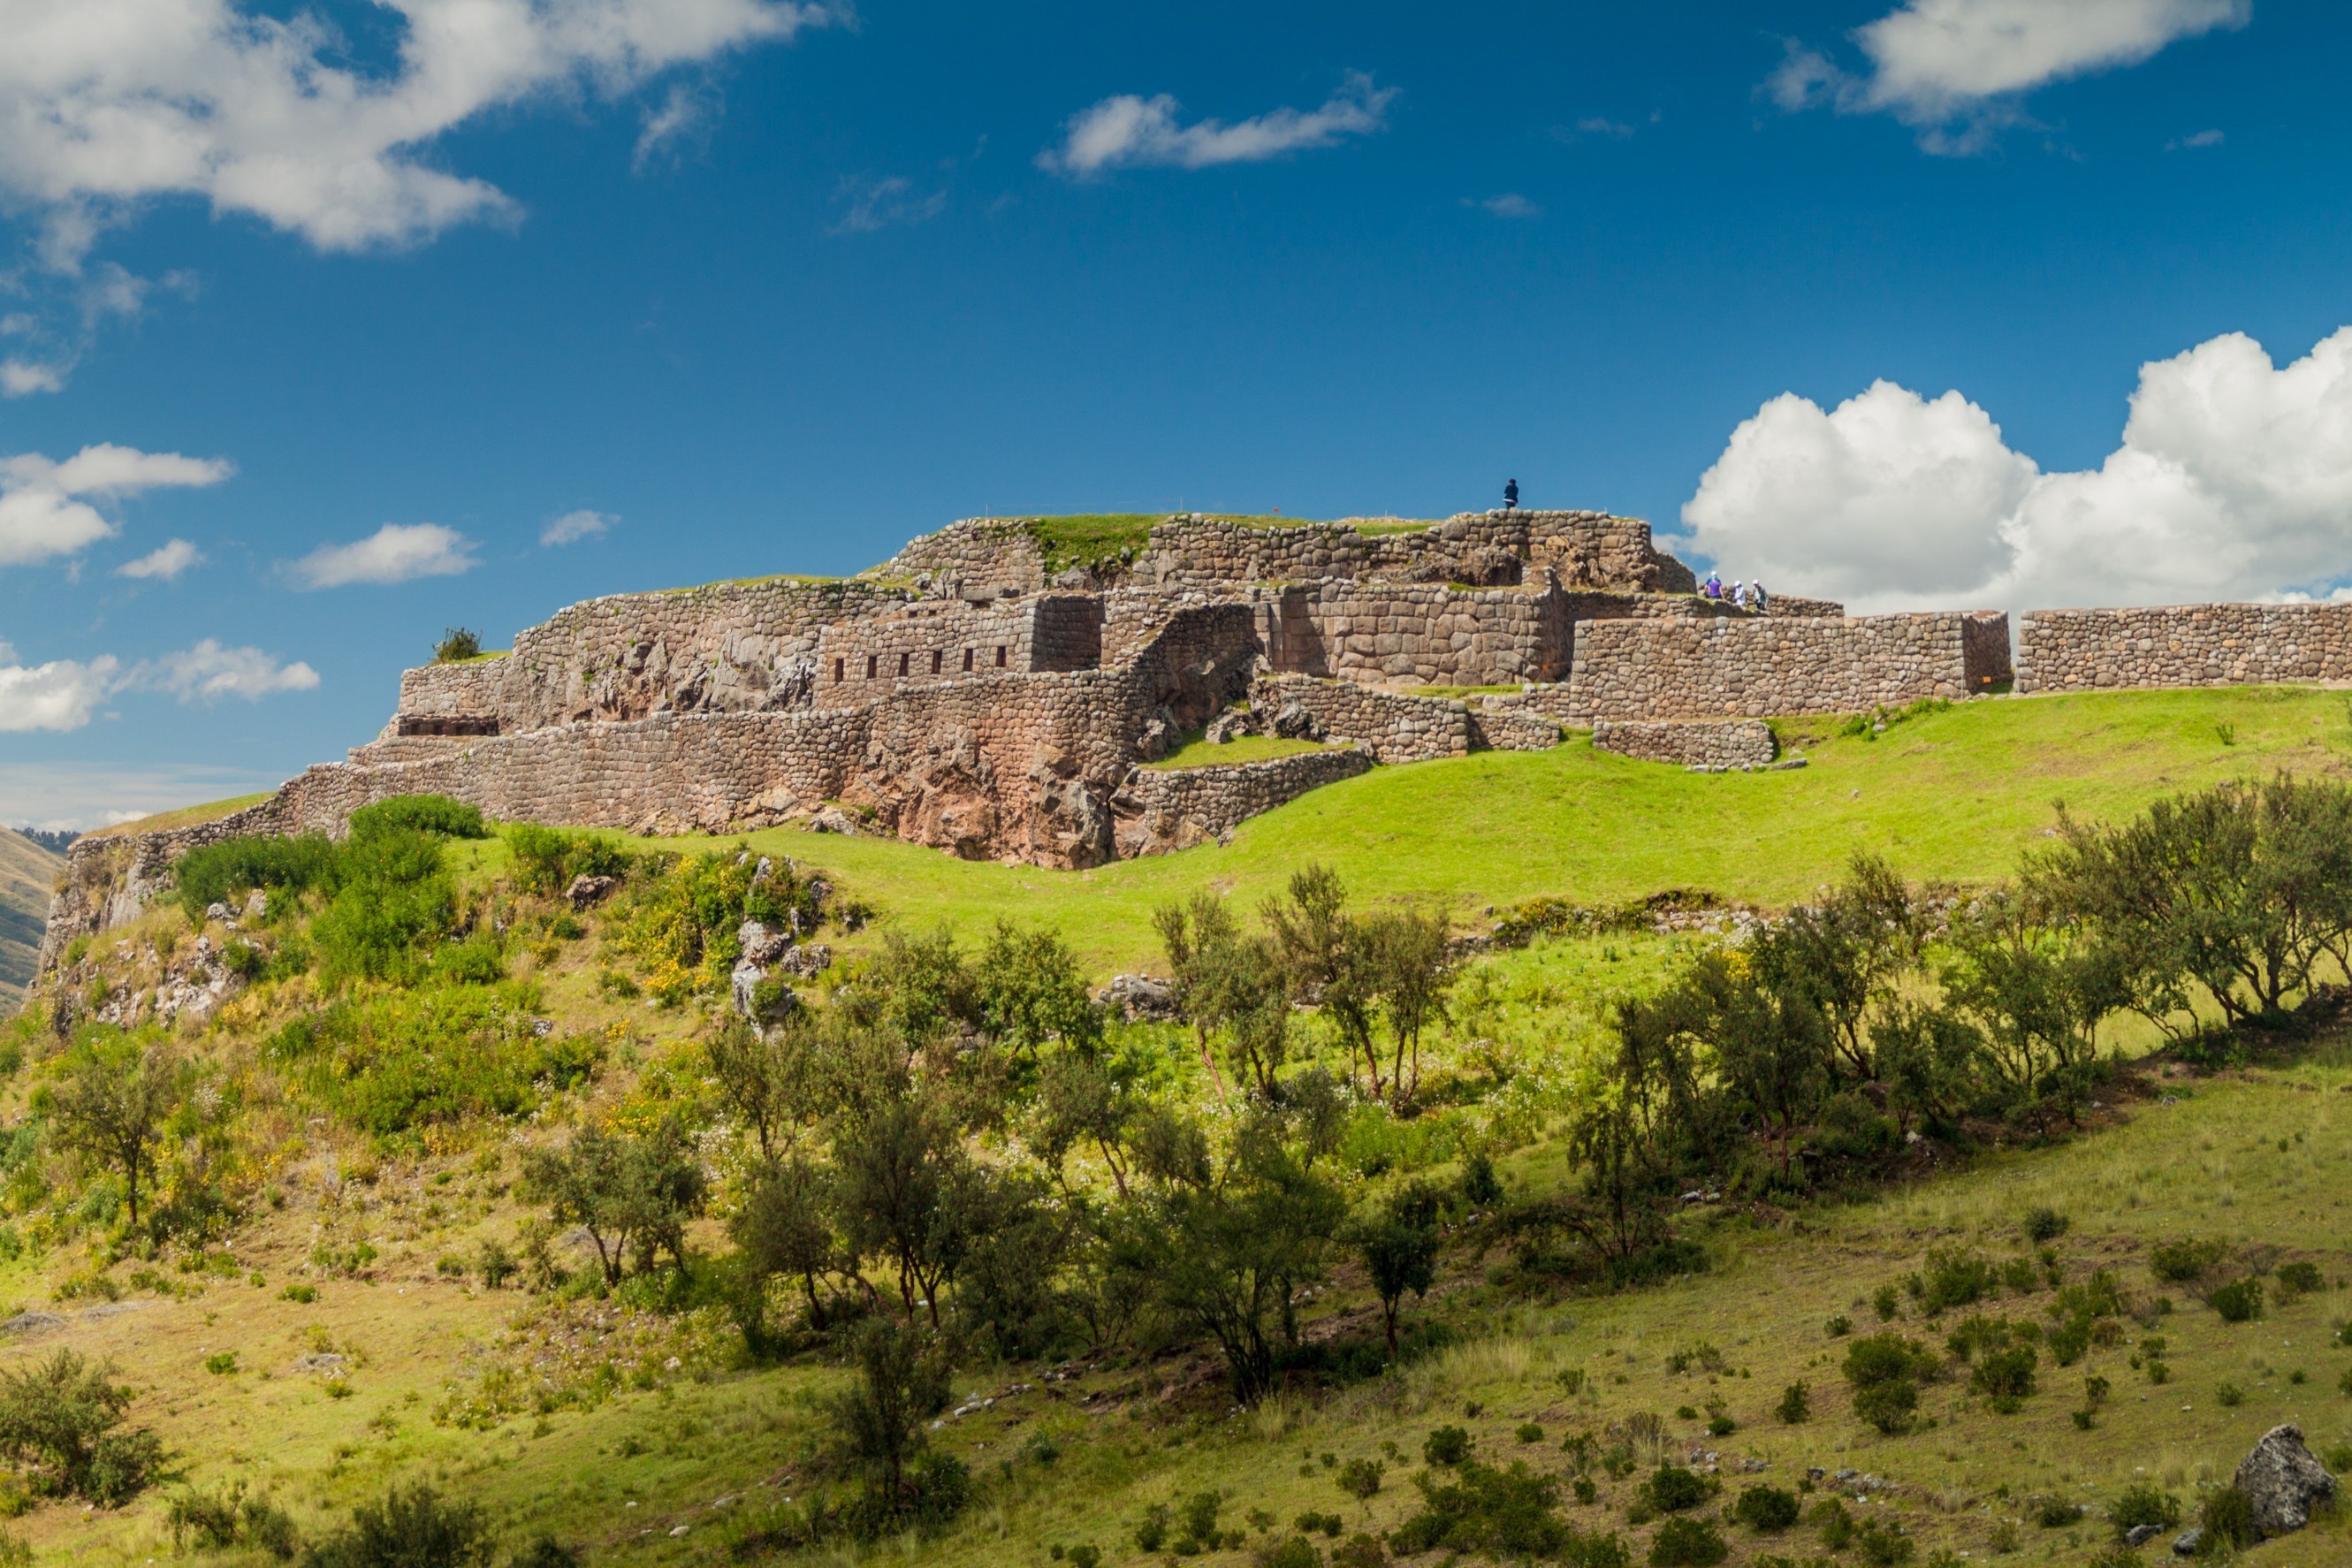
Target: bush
2240, 1301
2144, 1502
220, 873
1884, 1371
221, 1521
2006, 1376
1953, 1280
1295, 1551
545, 860
1796, 1404
405, 1060
1446, 1445
2044, 1224
430, 814
1151, 1529
2182, 1261
1504, 1514
456, 646
1769, 1508
2296, 1279
59, 1417
1360, 1478
546, 1552
1884, 1545
2228, 1516
409, 1528
1672, 1488
1687, 1543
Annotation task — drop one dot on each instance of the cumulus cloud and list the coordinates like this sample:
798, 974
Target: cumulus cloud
1958, 69
106, 102
167, 561
59, 695
2234, 481
1131, 131
208, 672
869, 203
23, 377
396, 552
65, 693
43, 513
574, 526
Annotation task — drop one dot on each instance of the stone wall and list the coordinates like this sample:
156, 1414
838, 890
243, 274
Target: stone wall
1403, 634
1493, 549
1160, 810
2183, 644
1755, 667
111, 877
1395, 729
980, 553
1510, 730
1703, 744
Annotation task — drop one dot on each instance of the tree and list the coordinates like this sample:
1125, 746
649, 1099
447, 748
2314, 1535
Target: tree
1198, 936
1399, 1245
1083, 1100
771, 1080
1844, 954
1331, 959
111, 1105
627, 1192
58, 1416
786, 1227
1416, 966
1031, 991
2032, 991
905, 1193
901, 1381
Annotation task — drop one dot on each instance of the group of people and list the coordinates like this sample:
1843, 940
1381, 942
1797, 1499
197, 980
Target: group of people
1747, 595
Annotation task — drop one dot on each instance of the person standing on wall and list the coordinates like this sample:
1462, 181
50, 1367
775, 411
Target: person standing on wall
1510, 495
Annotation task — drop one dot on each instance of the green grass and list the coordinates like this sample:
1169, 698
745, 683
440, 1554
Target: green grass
1199, 753
1954, 795
1095, 536
184, 817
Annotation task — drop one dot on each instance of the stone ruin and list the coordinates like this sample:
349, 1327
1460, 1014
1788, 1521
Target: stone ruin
979, 694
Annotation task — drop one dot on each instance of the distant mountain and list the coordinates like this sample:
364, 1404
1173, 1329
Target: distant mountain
27, 868
54, 840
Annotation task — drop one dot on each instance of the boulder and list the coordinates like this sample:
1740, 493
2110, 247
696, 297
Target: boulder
762, 947
1230, 725
807, 961
758, 997
586, 891
2186, 1544
833, 819
1296, 722
2283, 1482
1139, 997
2141, 1534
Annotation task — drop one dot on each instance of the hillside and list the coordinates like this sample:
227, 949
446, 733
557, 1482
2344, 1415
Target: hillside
26, 869
354, 1268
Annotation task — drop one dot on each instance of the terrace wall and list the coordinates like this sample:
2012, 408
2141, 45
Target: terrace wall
2183, 644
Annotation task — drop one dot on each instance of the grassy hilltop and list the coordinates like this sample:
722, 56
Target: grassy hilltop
346, 1275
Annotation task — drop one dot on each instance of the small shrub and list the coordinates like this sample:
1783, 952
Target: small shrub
2297, 1279
457, 645
436, 815
305, 1294
2182, 1261
1446, 1445
1672, 1488
1151, 1529
1295, 1552
1953, 1278
2055, 1513
1529, 1432
1884, 1545
410, 1529
2144, 1502
1196, 1517
2044, 1224
1703, 1355
221, 1365
1360, 1478
1361, 1550
2228, 1516
546, 1552
1887, 1301
1687, 1543
230, 1518
1767, 1509
1883, 1371
1837, 1328
1835, 1524
2230, 1394
2240, 1301
61, 1416
1796, 1404
2006, 1377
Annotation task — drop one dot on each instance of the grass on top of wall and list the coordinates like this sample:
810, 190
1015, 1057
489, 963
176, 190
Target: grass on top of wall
1200, 752
184, 817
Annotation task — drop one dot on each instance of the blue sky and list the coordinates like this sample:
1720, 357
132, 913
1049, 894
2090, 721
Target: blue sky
765, 288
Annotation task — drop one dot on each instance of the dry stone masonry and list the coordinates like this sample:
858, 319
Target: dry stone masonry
986, 693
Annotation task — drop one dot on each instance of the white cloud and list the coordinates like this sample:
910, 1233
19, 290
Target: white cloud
2233, 481
1510, 204
1133, 132
2202, 139
208, 672
106, 102
574, 526
64, 693
869, 204
83, 796
1956, 68
23, 377
41, 515
396, 552
59, 695
167, 561
683, 119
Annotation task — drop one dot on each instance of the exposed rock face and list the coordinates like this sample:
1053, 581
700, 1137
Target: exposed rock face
2283, 1482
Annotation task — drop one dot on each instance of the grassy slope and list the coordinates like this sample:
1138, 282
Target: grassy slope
1954, 795
26, 869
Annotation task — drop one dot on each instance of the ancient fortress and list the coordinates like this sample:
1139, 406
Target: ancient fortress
979, 695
